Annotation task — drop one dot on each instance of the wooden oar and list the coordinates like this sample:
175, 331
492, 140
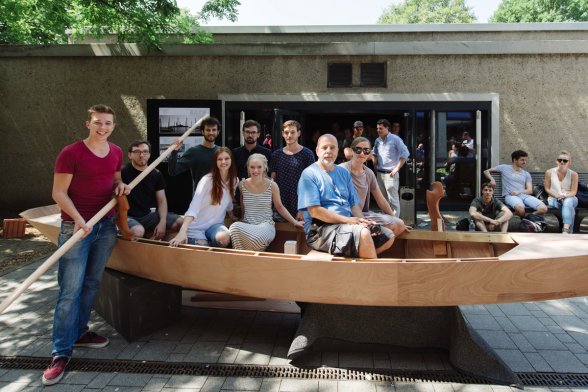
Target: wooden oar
79, 234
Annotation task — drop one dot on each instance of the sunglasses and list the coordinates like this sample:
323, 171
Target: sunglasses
359, 150
561, 160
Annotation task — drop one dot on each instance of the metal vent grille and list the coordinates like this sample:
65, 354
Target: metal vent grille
339, 75
373, 75
204, 369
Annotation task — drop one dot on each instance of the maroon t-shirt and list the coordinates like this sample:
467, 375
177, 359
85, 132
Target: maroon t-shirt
93, 177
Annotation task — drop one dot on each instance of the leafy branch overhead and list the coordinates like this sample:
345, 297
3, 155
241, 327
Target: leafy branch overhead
427, 11
517, 11
148, 22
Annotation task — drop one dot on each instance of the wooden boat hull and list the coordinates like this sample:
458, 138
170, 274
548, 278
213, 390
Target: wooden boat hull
474, 268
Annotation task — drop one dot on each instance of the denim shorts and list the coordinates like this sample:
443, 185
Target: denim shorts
210, 234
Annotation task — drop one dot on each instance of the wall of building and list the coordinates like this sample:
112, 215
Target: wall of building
45, 91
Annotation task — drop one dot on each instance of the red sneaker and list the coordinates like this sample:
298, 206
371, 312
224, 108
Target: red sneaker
55, 371
92, 340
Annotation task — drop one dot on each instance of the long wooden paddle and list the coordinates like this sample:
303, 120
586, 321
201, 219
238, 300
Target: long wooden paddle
80, 233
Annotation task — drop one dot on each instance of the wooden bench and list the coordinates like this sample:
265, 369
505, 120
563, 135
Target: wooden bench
553, 217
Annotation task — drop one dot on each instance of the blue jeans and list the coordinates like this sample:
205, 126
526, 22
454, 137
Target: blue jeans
210, 234
79, 276
567, 208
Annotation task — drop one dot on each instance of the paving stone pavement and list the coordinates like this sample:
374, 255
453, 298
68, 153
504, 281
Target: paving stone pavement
549, 336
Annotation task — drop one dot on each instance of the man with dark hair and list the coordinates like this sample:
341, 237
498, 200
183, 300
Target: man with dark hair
517, 185
147, 195
489, 213
287, 165
86, 174
251, 129
389, 155
197, 159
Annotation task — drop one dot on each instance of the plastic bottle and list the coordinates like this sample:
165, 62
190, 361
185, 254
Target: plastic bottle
472, 225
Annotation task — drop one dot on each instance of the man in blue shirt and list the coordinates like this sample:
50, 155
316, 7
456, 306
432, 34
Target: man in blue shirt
390, 154
333, 220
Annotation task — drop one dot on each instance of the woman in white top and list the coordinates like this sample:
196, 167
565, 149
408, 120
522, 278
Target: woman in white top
366, 185
256, 230
561, 184
213, 200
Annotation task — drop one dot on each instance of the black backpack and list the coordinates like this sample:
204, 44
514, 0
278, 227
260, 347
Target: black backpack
533, 223
582, 195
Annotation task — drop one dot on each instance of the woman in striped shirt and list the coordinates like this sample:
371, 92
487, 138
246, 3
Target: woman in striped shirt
256, 230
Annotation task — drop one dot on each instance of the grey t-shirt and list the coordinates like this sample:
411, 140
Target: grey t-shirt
513, 180
364, 184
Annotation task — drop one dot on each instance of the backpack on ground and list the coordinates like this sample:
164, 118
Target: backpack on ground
533, 223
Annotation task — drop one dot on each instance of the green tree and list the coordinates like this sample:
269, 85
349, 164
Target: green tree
428, 11
38, 22
517, 11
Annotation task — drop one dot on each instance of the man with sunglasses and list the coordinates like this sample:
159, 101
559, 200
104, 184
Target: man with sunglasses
517, 185
389, 155
147, 201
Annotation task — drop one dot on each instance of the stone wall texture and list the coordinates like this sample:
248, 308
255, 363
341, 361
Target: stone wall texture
45, 91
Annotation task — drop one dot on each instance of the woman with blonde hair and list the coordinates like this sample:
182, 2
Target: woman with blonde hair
561, 184
212, 201
256, 230
366, 185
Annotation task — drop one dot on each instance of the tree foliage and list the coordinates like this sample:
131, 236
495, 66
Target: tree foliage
517, 11
427, 11
141, 21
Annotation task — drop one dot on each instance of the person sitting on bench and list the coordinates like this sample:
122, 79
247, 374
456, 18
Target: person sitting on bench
561, 184
517, 186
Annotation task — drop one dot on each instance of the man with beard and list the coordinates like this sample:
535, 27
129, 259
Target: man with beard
333, 220
148, 194
198, 159
250, 131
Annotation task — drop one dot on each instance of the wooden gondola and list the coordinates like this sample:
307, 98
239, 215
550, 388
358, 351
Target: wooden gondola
423, 268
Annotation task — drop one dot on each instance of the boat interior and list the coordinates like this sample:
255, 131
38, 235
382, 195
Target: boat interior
416, 246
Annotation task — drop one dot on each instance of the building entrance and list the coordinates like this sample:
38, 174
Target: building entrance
430, 125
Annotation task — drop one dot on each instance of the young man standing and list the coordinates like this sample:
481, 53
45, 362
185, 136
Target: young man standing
517, 185
389, 155
489, 213
287, 165
197, 159
250, 131
86, 174
148, 194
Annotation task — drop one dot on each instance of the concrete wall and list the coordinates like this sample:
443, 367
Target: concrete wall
45, 91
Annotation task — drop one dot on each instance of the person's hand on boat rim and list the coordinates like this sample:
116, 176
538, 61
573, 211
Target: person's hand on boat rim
298, 223
179, 239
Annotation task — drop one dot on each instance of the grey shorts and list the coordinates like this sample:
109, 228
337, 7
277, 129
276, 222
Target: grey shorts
151, 220
335, 239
